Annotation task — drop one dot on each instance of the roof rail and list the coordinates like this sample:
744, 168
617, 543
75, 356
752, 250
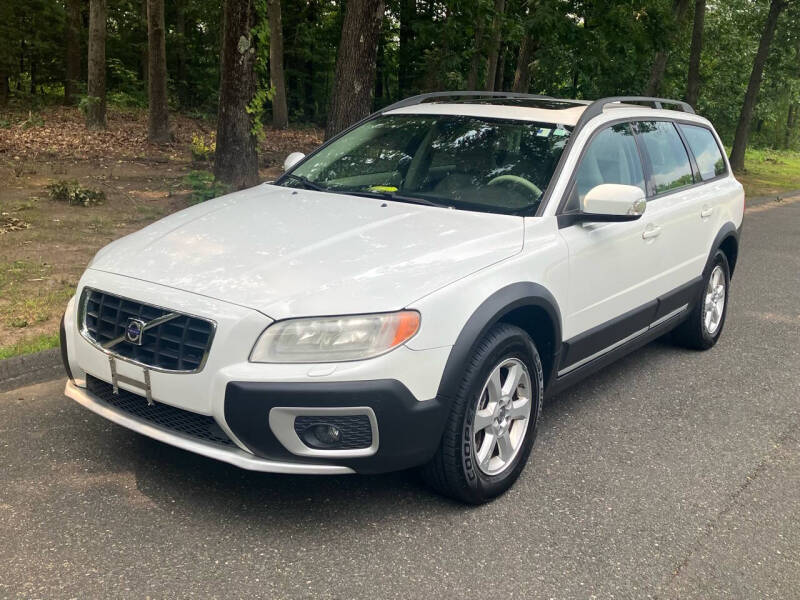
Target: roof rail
596, 107
414, 100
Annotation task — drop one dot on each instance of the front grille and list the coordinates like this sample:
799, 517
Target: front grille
356, 430
180, 344
166, 417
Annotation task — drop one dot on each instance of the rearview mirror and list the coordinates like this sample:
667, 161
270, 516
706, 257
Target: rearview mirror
292, 160
610, 202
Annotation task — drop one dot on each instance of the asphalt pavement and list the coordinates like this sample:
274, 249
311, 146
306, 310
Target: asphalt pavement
671, 474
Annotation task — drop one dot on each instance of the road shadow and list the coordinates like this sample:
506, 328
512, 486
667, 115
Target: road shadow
178, 480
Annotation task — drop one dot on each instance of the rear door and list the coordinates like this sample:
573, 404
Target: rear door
678, 206
712, 170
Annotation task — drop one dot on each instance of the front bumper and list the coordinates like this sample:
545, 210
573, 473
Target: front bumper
236, 457
408, 431
397, 390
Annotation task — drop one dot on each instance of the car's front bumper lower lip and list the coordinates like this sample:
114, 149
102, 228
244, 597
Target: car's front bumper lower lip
233, 456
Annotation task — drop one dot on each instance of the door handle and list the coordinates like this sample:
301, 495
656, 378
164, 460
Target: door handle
651, 231
706, 212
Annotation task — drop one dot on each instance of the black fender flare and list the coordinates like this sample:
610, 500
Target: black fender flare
726, 231
492, 310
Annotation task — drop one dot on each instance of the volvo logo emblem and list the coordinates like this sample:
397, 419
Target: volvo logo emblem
134, 331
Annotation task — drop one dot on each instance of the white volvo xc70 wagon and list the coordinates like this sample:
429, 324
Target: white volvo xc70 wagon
406, 294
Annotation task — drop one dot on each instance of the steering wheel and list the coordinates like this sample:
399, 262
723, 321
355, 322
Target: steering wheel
516, 179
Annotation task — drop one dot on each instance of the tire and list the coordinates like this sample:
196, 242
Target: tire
695, 332
460, 468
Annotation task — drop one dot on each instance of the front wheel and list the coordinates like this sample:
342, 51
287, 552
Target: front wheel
702, 328
492, 424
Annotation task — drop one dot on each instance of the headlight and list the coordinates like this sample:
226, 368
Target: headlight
334, 339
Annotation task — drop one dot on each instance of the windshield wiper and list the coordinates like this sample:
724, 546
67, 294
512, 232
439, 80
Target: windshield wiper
307, 182
398, 198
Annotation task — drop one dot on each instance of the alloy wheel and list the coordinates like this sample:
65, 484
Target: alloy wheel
714, 301
501, 416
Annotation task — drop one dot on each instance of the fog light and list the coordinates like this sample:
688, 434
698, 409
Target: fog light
321, 435
327, 434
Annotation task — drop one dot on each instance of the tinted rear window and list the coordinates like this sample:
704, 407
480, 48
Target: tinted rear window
671, 167
705, 149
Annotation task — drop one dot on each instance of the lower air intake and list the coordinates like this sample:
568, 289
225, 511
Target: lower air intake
163, 416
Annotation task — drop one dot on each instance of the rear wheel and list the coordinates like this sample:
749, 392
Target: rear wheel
492, 424
702, 328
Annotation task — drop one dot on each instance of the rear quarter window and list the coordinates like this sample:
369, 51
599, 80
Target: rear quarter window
705, 149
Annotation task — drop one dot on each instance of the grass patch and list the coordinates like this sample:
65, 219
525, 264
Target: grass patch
22, 307
770, 172
41, 342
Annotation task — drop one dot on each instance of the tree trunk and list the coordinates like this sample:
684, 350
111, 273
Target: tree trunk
475, 61
753, 86
4, 91
157, 115
501, 69
143, 57
660, 63
693, 81
236, 159
73, 51
494, 48
794, 109
355, 65
280, 113
180, 50
791, 118
522, 76
408, 13
310, 106
96, 88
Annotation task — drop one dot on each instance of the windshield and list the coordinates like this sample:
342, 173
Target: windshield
465, 162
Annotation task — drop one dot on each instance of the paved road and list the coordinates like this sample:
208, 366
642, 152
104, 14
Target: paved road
670, 474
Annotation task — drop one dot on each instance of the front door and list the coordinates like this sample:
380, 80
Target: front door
613, 267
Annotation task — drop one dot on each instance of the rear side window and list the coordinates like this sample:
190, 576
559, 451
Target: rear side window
611, 157
668, 158
705, 149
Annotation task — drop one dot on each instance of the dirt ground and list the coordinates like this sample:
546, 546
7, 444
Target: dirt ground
45, 244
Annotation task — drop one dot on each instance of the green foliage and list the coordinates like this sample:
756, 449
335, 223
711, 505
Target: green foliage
37, 344
86, 102
204, 186
585, 49
202, 150
74, 194
264, 92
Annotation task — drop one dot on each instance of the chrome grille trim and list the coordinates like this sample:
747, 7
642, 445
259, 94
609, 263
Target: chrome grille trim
176, 354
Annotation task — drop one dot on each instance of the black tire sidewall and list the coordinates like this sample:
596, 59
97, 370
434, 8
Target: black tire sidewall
515, 343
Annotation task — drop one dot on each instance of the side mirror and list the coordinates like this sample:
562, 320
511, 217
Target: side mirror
611, 202
292, 160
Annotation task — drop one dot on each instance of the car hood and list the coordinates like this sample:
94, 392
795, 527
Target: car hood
288, 252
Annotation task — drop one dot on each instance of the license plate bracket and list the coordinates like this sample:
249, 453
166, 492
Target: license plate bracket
116, 378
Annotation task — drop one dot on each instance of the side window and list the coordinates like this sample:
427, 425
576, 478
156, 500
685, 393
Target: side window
611, 157
705, 149
671, 167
